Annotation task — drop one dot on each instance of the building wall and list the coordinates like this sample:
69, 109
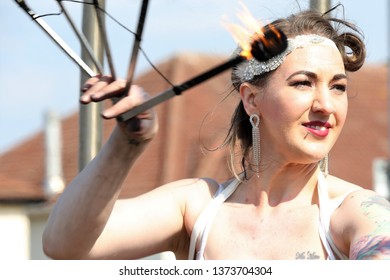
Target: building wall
37, 222
14, 233
21, 228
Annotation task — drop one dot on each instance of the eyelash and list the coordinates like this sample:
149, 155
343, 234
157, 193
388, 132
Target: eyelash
301, 83
342, 88
338, 87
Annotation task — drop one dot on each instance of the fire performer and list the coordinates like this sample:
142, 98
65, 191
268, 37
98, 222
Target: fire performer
281, 204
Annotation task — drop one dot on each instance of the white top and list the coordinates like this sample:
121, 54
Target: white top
326, 207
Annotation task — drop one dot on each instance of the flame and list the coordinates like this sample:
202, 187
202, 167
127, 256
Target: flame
244, 36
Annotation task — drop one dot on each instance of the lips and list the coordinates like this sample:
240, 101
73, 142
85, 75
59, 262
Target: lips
318, 128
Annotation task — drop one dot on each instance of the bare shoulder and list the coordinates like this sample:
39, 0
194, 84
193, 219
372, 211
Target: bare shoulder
195, 188
353, 199
353, 195
196, 194
192, 194
338, 188
360, 226
190, 186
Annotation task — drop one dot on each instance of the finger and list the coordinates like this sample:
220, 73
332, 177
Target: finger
115, 88
90, 82
136, 97
92, 86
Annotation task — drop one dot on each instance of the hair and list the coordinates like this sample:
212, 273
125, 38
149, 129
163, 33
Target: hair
346, 36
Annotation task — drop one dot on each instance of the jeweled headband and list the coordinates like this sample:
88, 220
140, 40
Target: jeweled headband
247, 70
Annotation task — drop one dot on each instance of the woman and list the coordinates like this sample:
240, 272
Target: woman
281, 205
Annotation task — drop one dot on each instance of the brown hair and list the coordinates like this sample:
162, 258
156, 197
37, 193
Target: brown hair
345, 35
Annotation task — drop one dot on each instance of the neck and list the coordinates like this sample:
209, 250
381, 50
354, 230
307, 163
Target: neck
280, 184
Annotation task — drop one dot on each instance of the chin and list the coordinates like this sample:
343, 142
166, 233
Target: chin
315, 157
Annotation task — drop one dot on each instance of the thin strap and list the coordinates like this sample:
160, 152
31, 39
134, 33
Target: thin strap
324, 220
202, 224
326, 210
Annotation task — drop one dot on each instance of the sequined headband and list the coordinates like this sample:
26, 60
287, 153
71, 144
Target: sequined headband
248, 70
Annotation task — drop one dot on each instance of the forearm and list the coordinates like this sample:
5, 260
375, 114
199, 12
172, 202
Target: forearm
80, 214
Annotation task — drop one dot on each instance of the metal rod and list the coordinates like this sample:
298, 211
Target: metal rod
137, 42
177, 90
57, 39
84, 42
104, 37
321, 6
134, 53
90, 121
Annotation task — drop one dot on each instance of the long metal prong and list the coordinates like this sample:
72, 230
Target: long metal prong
137, 42
56, 38
103, 33
84, 42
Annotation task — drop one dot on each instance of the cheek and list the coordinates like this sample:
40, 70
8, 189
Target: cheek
284, 108
341, 111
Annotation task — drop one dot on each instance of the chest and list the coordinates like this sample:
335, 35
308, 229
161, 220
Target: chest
241, 233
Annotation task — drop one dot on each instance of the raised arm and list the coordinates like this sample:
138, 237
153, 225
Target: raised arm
87, 221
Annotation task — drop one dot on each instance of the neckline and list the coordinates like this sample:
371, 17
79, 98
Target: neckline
205, 220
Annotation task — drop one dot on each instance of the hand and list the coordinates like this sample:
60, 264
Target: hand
140, 128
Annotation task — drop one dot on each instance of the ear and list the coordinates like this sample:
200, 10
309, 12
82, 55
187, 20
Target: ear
248, 94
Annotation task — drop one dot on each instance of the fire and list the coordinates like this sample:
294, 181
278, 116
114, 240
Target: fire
247, 34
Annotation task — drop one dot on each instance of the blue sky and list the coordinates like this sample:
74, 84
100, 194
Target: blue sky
35, 75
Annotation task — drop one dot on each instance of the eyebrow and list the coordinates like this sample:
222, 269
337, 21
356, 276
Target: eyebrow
313, 75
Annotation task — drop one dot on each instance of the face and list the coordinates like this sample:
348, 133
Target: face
303, 107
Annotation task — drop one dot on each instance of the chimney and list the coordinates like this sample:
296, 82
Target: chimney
380, 177
54, 183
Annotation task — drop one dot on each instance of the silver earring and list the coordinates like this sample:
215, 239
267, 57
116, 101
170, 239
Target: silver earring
324, 165
255, 122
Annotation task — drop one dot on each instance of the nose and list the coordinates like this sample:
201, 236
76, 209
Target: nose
323, 101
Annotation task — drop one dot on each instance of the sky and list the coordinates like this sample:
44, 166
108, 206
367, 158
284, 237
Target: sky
36, 76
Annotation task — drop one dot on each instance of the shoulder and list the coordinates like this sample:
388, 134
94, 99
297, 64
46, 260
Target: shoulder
193, 194
190, 186
195, 187
360, 225
353, 196
338, 188
197, 195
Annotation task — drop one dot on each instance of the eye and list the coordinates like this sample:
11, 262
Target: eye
301, 84
341, 88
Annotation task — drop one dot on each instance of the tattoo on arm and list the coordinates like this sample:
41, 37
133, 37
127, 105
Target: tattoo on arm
369, 246
377, 210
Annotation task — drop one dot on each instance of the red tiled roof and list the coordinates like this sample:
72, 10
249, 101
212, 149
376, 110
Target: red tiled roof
199, 116
21, 190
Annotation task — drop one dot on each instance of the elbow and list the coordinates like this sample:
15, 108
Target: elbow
51, 248
54, 249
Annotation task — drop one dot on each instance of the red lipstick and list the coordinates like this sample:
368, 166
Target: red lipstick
318, 128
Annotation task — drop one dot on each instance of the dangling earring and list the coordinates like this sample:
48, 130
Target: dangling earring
324, 165
255, 122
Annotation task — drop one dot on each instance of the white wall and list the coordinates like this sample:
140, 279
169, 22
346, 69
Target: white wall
14, 233
37, 222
